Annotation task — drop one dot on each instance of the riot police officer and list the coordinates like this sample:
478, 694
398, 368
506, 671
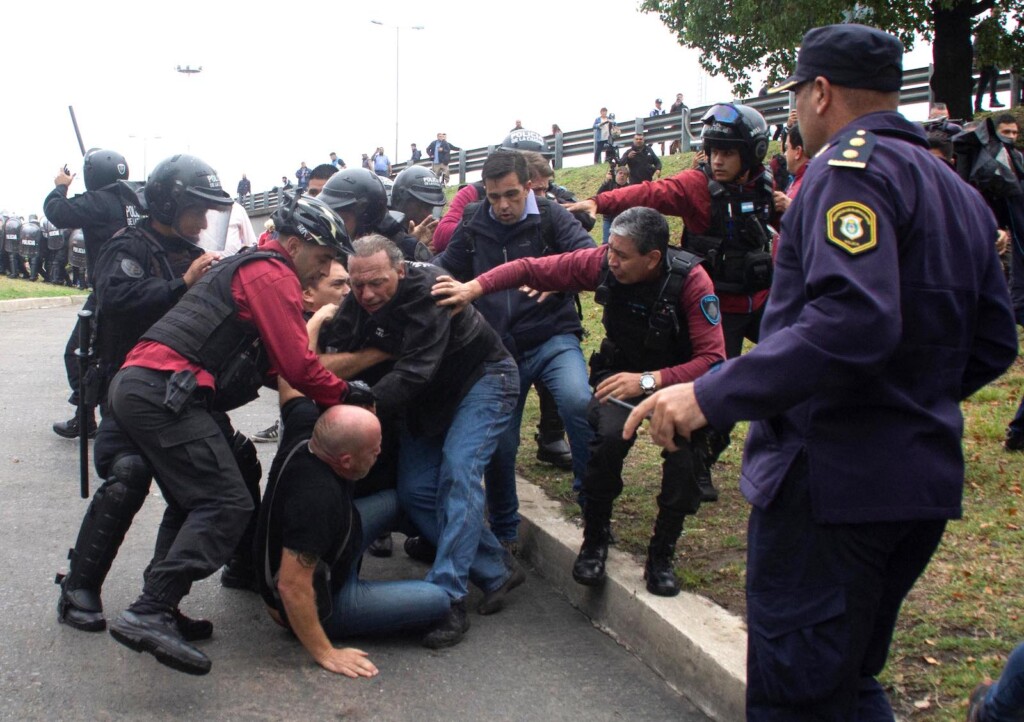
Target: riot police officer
30, 245
142, 272
210, 353
359, 197
12, 248
75, 239
419, 196
107, 206
57, 253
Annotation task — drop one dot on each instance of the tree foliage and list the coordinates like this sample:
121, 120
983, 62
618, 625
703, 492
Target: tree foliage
739, 38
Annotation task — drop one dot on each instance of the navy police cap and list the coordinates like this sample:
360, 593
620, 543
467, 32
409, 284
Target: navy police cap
849, 55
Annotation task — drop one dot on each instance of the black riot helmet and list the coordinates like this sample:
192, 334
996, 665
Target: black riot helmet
312, 220
523, 139
360, 192
103, 167
729, 125
417, 183
184, 193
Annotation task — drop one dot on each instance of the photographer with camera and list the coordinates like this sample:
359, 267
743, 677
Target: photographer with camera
616, 177
660, 313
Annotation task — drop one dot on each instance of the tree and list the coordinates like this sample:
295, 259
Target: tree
738, 37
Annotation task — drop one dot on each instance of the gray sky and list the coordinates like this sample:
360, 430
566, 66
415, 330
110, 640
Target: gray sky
287, 82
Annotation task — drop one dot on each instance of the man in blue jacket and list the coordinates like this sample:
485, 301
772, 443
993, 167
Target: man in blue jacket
542, 335
888, 308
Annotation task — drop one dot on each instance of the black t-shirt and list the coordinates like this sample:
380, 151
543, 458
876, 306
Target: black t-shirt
307, 509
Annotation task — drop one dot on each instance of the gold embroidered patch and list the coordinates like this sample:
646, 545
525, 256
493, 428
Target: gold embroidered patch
852, 227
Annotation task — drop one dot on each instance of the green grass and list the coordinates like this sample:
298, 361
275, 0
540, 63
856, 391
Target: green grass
11, 289
964, 615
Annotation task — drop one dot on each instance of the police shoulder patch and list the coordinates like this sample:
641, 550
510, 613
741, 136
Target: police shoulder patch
131, 268
852, 227
710, 308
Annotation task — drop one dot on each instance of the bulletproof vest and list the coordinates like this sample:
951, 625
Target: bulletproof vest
204, 328
30, 239
11, 230
77, 257
737, 245
129, 193
644, 327
54, 236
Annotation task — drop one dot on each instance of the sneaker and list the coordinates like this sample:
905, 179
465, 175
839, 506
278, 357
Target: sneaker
977, 702
495, 600
1014, 441
268, 435
418, 548
382, 546
158, 634
451, 629
511, 546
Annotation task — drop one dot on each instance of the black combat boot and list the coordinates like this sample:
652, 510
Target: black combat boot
552, 447
69, 429
588, 569
659, 571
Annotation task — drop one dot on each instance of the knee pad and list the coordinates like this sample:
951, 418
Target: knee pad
247, 459
132, 472
124, 491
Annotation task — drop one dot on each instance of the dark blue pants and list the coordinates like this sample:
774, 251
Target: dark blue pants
822, 602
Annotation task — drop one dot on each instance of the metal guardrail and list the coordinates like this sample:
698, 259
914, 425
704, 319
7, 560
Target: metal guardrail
684, 127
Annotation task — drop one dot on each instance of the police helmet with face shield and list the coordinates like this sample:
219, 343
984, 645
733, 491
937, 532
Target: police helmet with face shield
360, 192
416, 183
102, 167
523, 139
183, 192
735, 126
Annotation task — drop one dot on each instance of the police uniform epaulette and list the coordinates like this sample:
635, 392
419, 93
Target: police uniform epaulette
853, 149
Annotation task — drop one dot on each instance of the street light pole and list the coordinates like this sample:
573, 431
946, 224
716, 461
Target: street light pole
397, 71
145, 140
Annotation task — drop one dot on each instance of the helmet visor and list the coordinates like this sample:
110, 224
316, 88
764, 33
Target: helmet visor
205, 227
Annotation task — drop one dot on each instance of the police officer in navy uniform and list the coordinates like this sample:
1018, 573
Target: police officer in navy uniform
12, 247
143, 271
106, 207
889, 307
30, 245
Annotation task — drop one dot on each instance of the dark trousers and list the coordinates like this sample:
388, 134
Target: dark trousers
739, 326
602, 482
987, 78
822, 602
70, 360
208, 505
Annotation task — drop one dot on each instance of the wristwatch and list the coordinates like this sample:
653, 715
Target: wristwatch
647, 383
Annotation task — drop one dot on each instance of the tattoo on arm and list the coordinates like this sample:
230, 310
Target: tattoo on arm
305, 559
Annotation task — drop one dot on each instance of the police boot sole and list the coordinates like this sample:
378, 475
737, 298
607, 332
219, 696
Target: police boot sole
556, 459
135, 639
589, 580
82, 620
660, 589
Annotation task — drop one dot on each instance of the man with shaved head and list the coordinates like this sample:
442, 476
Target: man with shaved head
312, 533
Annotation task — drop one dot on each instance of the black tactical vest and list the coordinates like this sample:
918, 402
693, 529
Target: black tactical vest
204, 328
644, 326
737, 245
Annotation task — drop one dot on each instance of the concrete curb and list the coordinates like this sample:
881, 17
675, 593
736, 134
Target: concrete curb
699, 648
24, 304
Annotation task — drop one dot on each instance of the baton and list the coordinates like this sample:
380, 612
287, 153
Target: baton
78, 133
82, 353
678, 439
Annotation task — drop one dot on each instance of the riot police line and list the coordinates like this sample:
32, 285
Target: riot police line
35, 249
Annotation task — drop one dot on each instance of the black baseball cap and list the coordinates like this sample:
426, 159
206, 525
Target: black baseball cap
849, 55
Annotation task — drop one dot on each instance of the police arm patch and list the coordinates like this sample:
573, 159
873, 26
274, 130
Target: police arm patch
852, 226
710, 308
131, 268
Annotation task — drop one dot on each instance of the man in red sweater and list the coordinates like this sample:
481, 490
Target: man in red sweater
662, 322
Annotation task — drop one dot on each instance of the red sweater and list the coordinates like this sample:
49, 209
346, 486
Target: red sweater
581, 271
267, 295
684, 195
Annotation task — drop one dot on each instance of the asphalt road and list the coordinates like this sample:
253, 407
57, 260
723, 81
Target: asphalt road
539, 659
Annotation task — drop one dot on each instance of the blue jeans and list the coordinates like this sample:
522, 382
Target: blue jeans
378, 607
606, 229
439, 485
1005, 699
559, 363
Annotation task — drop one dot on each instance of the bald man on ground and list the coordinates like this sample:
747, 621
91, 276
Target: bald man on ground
312, 533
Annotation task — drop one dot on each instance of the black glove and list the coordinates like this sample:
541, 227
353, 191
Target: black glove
359, 394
